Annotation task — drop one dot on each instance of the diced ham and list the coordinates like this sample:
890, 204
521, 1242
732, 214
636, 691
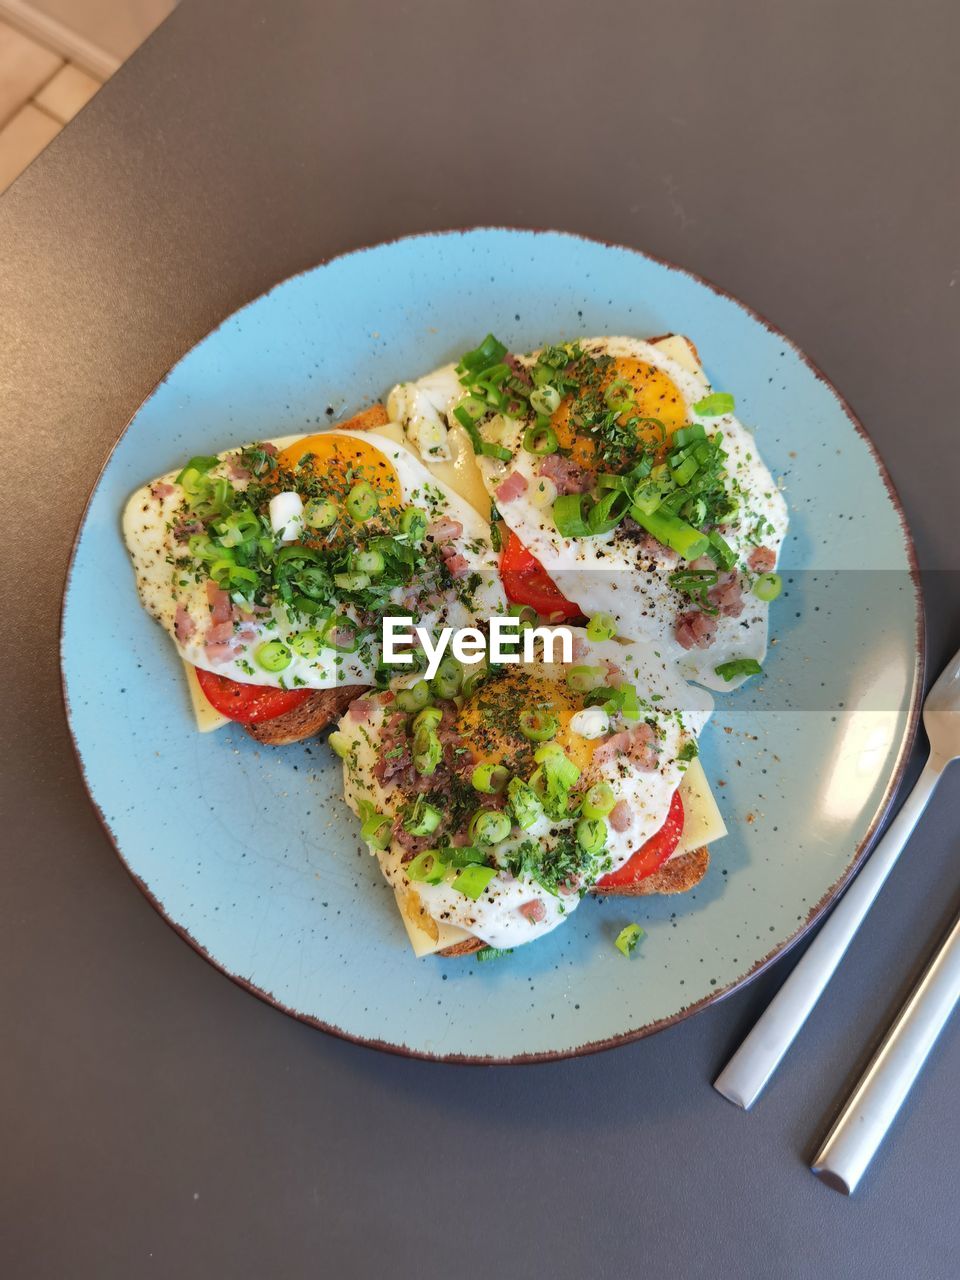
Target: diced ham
727, 596
456, 564
695, 630
443, 529
761, 559
361, 710
534, 910
638, 744
183, 625
566, 475
579, 649
270, 448
512, 488
621, 816
614, 673
219, 652
519, 371
219, 632
221, 609
161, 490
237, 472
186, 529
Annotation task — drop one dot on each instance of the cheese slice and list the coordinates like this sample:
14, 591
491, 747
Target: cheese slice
207, 717
422, 941
703, 822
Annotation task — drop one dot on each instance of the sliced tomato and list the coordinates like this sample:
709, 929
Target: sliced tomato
248, 703
527, 582
653, 854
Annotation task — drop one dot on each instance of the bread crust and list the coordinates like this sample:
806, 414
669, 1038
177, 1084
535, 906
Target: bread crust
676, 876
311, 717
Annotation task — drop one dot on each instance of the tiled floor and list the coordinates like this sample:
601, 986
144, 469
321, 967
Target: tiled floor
41, 90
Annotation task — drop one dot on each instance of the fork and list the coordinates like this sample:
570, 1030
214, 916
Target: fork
745, 1075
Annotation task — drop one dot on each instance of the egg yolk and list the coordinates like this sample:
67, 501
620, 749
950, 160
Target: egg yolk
489, 720
341, 462
654, 395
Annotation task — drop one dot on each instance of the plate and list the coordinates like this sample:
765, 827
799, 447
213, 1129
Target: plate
250, 852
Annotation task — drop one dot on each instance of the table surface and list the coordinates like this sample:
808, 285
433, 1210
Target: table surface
156, 1119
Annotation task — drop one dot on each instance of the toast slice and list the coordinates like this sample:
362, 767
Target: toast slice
678, 875
312, 716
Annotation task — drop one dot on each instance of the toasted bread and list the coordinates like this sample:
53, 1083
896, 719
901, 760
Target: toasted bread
676, 876
310, 717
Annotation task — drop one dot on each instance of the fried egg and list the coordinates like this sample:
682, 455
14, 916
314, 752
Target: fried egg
702, 621
535, 873
264, 566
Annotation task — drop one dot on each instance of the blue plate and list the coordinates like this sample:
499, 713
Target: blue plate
250, 852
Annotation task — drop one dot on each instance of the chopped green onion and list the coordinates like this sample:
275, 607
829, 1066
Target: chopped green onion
339, 744
540, 441
672, 532
688, 435
545, 400
413, 523
351, 581
684, 472
489, 826
426, 868
737, 668
583, 679
473, 407
320, 513
488, 450
559, 770
492, 953
362, 501
619, 395
490, 779
333, 639
473, 680
591, 834
721, 552
602, 626
538, 724
490, 352
689, 751
273, 655
524, 803
768, 586
627, 939
526, 614
427, 752
370, 562
472, 880
415, 698
569, 516
375, 828
712, 406
606, 514
307, 643
599, 801
428, 718
463, 855
423, 819
448, 680
197, 466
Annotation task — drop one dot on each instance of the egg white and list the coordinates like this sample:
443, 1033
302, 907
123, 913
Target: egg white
679, 709
154, 551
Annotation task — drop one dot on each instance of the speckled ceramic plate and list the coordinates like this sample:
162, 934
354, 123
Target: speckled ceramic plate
251, 854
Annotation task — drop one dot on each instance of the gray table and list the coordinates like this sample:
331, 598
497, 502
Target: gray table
155, 1119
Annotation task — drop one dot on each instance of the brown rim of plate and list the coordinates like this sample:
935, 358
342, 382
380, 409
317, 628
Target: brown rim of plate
815, 912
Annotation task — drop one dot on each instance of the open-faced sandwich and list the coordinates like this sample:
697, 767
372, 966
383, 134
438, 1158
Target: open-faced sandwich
600, 484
